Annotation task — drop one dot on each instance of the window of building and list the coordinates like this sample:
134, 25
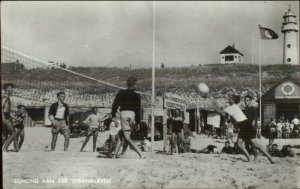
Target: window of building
288, 45
229, 58
288, 59
235, 56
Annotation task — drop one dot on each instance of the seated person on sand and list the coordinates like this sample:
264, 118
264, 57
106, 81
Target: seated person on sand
227, 149
186, 143
269, 146
114, 128
287, 151
145, 145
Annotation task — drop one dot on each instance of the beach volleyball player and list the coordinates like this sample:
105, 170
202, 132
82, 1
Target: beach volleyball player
94, 122
247, 132
129, 103
59, 117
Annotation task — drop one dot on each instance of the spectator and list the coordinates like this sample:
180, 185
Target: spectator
227, 149
279, 126
229, 130
269, 146
287, 151
296, 121
145, 145
287, 129
275, 152
186, 142
272, 128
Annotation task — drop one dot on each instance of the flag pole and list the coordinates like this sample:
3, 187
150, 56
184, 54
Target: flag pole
252, 48
259, 61
153, 77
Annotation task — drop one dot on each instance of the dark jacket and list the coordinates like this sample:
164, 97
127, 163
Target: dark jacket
53, 109
127, 100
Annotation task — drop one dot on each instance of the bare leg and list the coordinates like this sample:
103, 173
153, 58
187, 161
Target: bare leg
85, 142
53, 143
174, 142
94, 141
112, 141
22, 136
131, 143
260, 148
67, 141
4, 138
12, 137
125, 146
179, 142
240, 145
118, 146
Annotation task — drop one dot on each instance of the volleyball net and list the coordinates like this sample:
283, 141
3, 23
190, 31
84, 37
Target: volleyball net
37, 82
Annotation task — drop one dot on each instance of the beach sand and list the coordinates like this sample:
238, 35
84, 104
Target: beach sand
59, 169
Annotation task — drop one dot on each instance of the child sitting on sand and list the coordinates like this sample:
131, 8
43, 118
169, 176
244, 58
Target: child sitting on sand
114, 128
229, 130
145, 145
186, 142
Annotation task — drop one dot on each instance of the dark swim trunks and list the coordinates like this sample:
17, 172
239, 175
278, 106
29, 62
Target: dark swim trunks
247, 131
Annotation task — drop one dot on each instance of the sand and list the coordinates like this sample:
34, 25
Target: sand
59, 169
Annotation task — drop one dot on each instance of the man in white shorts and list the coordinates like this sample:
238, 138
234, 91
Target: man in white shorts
94, 122
129, 103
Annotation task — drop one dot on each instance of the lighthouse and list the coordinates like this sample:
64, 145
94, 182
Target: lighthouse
290, 28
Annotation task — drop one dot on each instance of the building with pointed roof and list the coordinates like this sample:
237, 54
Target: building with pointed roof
282, 100
231, 55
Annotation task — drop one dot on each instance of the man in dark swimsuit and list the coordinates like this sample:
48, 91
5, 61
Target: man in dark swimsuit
18, 123
177, 131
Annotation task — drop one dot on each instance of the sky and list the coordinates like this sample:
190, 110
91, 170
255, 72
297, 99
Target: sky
97, 33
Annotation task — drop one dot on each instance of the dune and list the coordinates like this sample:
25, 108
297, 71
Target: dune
36, 167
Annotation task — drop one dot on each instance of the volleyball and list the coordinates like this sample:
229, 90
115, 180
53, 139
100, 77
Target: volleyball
203, 88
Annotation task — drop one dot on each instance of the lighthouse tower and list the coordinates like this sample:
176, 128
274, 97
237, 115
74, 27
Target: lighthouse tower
290, 28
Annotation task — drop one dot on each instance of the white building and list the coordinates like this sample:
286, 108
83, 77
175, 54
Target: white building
290, 28
231, 55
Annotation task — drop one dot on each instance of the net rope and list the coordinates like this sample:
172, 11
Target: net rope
39, 81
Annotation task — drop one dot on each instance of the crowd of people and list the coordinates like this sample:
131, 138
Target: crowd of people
284, 128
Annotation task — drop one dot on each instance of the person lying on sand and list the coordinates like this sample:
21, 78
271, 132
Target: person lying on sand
227, 149
210, 149
287, 151
275, 152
